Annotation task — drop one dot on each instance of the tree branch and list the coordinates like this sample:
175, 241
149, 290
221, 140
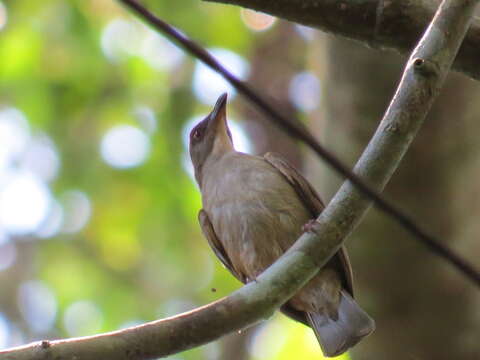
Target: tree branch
381, 24
421, 81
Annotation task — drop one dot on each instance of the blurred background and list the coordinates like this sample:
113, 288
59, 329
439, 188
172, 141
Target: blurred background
98, 207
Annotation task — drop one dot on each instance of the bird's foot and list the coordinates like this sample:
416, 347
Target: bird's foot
309, 226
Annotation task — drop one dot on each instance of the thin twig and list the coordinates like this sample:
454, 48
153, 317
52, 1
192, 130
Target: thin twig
423, 77
300, 132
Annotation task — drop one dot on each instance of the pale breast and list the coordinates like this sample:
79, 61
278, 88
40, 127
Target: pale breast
254, 211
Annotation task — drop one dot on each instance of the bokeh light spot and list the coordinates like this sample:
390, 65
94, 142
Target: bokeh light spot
3, 16
38, 305
175, 307
14, 135
146, 118
304, 91
41, 158
4, 331
125, 146
53, 223
212, 351
8, 255
131, 323
83, 318
307, 33
24, 203
256, 20
160, 53
4, 238
208, 85
77, 211
120, 38
268, 340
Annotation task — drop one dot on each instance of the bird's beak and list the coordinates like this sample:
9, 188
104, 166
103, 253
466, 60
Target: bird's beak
218, 117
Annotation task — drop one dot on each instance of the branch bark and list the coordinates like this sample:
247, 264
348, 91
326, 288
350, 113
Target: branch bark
381, 24
421, 81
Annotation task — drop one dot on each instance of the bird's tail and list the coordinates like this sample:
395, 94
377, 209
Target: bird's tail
338, 335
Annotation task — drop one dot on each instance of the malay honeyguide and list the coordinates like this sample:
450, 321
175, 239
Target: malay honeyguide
254, 208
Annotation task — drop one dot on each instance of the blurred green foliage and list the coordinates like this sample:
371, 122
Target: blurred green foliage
141, 255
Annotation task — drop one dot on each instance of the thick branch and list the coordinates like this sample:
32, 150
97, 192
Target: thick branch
382, 24
423, 76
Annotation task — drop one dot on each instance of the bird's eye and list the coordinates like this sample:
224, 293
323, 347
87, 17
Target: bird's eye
197, 134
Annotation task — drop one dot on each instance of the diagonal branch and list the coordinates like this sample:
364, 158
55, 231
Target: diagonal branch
381, 24
424, 74
299, 131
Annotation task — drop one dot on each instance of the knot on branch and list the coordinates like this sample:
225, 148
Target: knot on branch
425, 67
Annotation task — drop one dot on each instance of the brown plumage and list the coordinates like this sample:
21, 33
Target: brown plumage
254, 209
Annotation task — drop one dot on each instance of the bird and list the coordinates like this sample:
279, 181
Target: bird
253, 210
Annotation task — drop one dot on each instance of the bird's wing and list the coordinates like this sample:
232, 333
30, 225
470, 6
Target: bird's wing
216, 245
302, 187
314, 204
218, 249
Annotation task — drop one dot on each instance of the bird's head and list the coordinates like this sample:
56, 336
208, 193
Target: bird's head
211, 137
